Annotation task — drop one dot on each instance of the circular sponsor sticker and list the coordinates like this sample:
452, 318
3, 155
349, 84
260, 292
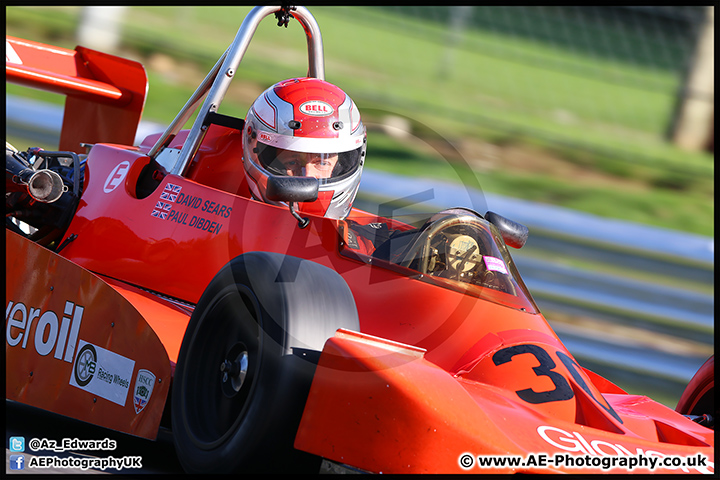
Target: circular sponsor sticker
316, 108
85, 365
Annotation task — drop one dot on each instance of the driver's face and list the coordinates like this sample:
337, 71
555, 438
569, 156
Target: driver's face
297, 164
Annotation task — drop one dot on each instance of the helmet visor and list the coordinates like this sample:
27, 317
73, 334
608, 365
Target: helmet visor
323, 166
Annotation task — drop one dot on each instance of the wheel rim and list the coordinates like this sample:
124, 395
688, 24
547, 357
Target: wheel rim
226, 348
233, 369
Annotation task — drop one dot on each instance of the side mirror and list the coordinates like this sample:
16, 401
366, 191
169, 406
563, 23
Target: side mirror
514, 234
292, 189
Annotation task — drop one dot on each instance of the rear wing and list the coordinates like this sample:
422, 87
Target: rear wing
105, 94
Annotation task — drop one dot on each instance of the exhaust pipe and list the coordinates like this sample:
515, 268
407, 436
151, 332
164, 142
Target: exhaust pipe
46, 186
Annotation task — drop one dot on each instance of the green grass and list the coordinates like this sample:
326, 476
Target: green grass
604, 115
483, 76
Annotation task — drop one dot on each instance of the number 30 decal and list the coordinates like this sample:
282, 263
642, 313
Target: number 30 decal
562, 390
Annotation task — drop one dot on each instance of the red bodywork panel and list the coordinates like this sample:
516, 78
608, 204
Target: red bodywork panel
407, 415
55, 308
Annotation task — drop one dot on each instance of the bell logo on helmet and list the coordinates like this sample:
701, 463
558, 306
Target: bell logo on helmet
316, 108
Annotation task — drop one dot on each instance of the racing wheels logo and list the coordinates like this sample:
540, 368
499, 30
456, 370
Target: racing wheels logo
102, 373
85, 365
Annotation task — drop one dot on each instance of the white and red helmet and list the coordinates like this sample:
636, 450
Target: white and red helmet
301, 119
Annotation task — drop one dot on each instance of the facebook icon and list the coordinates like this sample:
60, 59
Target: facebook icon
17, 462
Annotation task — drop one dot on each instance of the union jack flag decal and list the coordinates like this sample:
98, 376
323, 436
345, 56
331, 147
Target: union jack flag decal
159, 214
170, 192
163, 206
170, 197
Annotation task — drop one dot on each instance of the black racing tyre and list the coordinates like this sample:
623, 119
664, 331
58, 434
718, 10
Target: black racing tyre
699, 396
243, 372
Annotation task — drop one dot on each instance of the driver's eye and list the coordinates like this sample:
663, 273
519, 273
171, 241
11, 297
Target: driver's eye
322, 163
290, 162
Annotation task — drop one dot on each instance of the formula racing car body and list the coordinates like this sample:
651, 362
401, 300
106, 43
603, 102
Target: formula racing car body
152, 289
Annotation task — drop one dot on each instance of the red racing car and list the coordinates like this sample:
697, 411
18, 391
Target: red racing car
171, 284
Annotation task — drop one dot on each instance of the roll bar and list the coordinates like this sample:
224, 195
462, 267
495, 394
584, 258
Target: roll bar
216, 84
